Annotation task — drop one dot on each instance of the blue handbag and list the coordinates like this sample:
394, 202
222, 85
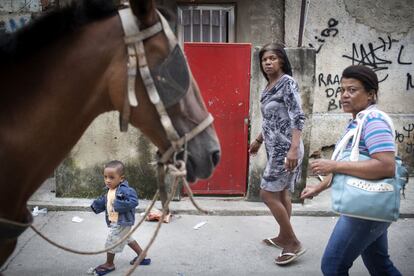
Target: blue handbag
368, 199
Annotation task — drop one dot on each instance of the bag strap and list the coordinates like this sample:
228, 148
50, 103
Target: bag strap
356, 132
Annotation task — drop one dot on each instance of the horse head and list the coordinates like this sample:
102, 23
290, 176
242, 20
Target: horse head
172, 94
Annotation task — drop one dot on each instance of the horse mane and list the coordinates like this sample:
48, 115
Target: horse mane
51, 26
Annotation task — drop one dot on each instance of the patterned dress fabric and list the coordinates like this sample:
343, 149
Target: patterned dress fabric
281, 111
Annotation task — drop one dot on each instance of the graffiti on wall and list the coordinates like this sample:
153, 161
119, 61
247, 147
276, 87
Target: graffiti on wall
11, 23
406, 137
378, 56
331, 85
330, 31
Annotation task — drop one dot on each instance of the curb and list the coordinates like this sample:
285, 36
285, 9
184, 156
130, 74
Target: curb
216, 212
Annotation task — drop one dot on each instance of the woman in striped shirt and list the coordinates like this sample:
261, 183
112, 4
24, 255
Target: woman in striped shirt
353, 237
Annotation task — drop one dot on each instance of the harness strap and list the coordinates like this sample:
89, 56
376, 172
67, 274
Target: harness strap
132, 36
187, 137
11, 230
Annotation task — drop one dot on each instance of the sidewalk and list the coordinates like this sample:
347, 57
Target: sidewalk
222, 206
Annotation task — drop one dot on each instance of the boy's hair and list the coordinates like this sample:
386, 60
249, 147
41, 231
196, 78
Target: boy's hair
118, 165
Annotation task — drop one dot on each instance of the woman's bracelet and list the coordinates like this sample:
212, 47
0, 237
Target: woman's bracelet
258, 141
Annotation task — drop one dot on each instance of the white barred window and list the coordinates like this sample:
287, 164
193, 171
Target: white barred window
206, 23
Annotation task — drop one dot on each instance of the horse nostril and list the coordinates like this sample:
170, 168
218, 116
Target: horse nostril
216, 157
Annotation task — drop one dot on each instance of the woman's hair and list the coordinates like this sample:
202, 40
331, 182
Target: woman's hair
365, 75
115, 164
281, 54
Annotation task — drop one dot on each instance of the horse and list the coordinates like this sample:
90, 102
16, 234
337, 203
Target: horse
58, 73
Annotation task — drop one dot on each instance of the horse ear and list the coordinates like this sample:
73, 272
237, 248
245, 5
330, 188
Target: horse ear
143, 9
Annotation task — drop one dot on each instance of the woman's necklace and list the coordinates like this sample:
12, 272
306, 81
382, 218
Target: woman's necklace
272, 83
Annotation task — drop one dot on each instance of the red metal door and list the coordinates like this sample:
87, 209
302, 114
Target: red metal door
223, 73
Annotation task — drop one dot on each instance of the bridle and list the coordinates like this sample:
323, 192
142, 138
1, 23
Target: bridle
134, 40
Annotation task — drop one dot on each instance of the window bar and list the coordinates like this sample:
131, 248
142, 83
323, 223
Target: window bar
201, 24
191, 25
221, 25
181, 26
211, 26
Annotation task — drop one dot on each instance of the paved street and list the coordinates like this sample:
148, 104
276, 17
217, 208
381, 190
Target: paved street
225, 245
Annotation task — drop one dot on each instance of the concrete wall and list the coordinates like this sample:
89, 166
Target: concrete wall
80, 174
377, 33
15, 14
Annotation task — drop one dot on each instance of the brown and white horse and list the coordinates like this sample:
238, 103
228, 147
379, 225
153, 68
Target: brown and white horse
59, 73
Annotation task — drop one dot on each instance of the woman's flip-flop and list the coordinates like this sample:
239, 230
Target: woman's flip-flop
270, 242
290, 256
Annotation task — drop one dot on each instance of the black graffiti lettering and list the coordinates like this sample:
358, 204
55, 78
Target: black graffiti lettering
409, 148
409, 129
384, 43
320, 79
332, 22
332, 105
317, 50
329, 92
399, 137
399, 57
410, 83
327, 32
329, 80
338, 91
367, 57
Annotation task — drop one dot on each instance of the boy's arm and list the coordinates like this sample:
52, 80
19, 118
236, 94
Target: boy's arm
98, 205
126, 200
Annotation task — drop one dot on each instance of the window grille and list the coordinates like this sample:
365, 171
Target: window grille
206, 23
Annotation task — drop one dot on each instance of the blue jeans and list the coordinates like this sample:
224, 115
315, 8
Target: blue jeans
352, 237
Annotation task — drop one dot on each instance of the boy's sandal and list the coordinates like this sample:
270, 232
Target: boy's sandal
100, 270
145, 261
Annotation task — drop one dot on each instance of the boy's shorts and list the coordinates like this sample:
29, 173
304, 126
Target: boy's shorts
116, 233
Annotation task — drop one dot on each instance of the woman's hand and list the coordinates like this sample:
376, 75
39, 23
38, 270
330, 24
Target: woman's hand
254, 147
291, 160
309, 192
323, 166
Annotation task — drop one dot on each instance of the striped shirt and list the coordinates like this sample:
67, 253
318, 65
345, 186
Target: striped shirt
376, 135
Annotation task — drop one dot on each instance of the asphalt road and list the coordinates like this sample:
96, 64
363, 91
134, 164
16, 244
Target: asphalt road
225, 245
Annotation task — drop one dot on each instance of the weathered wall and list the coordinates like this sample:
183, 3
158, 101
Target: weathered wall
378, 34
15, 14
80, 174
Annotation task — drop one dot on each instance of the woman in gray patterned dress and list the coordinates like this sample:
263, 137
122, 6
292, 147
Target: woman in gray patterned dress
283, 121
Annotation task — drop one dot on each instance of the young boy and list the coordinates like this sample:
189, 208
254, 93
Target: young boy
119, 205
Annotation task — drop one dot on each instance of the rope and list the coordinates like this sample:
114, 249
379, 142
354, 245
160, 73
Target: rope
177, 172
154, 236
75, 251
